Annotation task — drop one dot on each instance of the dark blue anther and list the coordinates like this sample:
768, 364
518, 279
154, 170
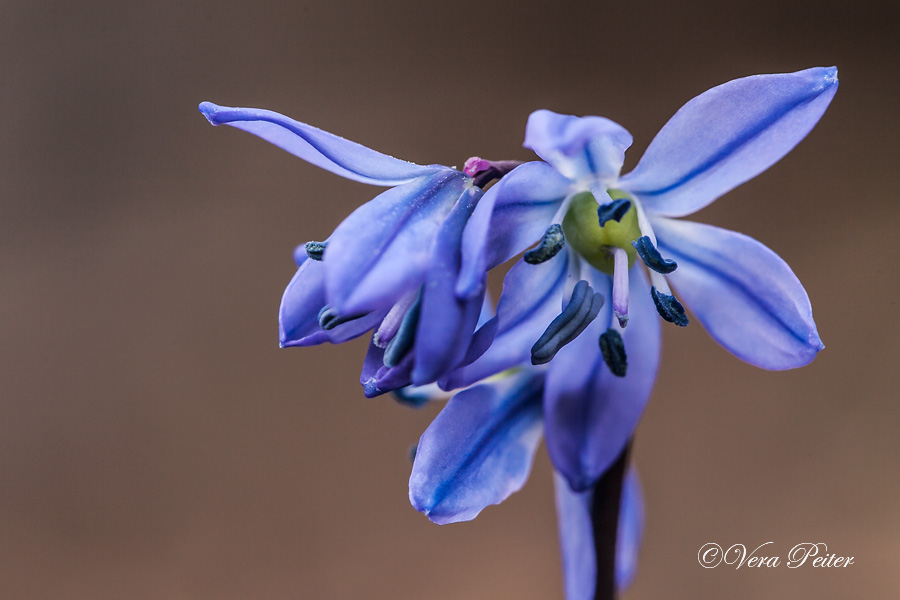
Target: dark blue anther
329, 318
651, 256
552, 242
315, 250
582, 308
613, 350
669, 308
411, 399
403, 340
411, 452
613, 211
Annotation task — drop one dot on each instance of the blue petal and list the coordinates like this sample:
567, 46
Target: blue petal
577, 540
382, 250
590, 414
378, 379
726, 136
746, 297
631, 530
579, 147
531, 299
446, 323
513, 214
298, 323
478, 450
328, 151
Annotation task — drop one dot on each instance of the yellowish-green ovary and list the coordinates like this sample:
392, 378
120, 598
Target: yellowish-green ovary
584, 234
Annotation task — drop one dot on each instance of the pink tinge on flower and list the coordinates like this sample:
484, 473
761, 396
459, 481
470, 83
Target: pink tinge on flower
476, 165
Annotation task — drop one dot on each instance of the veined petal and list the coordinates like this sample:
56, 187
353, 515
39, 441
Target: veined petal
381, 251
581, 148
590, 414
744, 294
576, 539
328, 151
446, 323
298, 323
531, 299
726, 136
478, 450
513, 214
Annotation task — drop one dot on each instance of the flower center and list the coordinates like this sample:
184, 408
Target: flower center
596, 242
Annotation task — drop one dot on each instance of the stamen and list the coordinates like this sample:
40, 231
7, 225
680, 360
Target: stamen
669, 308
651, 256
644, 223
315, 250
613, 211
552, 242
329, 318
582, 308
620, 285
613, 350
401, 343
403, 396
391, 322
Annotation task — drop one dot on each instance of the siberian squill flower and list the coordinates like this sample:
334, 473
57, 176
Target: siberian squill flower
391, 266
596, 227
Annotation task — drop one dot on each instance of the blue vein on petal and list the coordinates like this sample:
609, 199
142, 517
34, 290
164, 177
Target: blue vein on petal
747, 291
551, 291
489, 439
730, 148
422, 195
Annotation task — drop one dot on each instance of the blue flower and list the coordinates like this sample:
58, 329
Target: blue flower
594, 226
391, 266
573, 349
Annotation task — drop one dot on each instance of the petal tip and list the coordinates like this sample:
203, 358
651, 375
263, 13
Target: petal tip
210, 111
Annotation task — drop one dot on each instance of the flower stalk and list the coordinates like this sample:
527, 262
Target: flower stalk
605, 521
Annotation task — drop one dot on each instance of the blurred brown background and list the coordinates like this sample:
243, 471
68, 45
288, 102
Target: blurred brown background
155, 443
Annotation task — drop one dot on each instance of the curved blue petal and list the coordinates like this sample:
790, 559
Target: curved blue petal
581, 148
513, 214
446, 323
382, 250
726, 136
590, 414
478, 450
576, 538
631, 530
298, 322
531, 299
744, 294
328, 151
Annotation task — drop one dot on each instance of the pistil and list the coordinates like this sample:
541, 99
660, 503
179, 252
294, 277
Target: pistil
620, 285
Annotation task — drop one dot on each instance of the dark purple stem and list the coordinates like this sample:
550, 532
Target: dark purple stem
605, 519
488, 171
